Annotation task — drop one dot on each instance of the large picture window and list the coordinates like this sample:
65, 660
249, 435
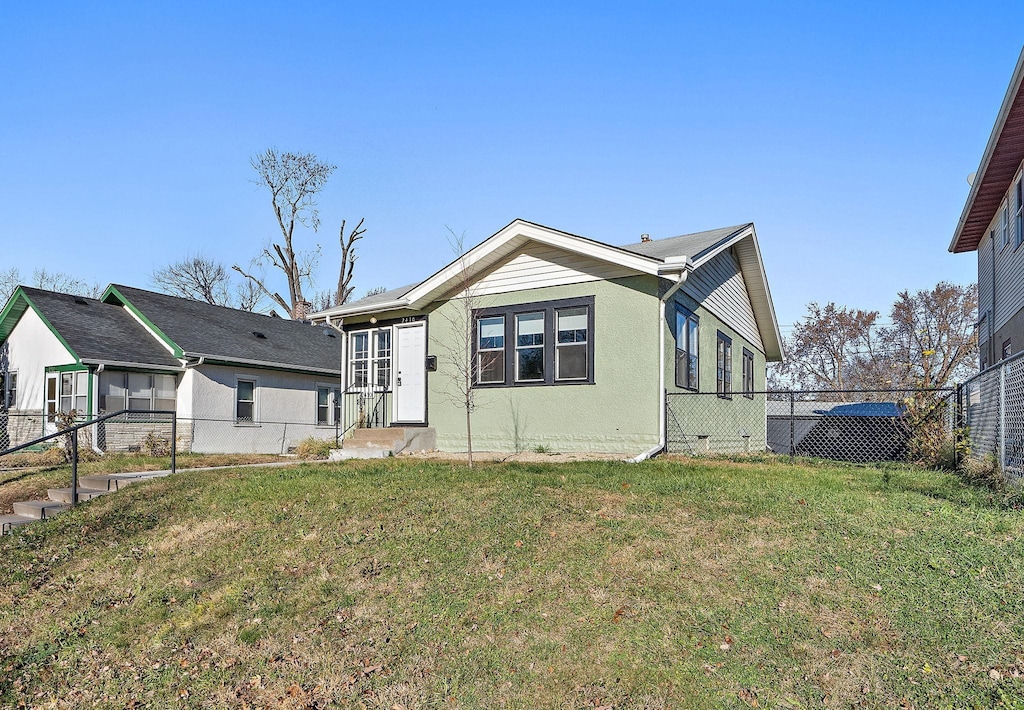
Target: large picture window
687, 347
724, 365
138, 391
543, 343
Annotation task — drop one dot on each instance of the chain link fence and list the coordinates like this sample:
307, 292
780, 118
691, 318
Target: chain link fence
853, 426
151, 434
993, 403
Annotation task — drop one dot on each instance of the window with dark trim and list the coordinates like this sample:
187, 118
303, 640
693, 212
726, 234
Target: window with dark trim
490, 350
546, 343
9, 390
1006, 349
687, 347
724, 365
748, 374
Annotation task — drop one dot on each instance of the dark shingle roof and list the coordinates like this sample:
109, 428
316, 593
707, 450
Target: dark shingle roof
228, 334
389, 295
99, 331
691, 245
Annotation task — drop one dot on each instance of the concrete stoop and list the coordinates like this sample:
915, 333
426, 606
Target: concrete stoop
60, 498
381, 443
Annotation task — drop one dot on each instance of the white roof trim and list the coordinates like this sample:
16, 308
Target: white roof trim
514, 234
764, 308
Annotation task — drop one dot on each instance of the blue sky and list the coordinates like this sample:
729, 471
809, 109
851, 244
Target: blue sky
845, 131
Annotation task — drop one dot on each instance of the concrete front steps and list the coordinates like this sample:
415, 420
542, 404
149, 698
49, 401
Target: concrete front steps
381, 443
60, 498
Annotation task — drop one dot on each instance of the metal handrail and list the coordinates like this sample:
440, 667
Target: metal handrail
74, 429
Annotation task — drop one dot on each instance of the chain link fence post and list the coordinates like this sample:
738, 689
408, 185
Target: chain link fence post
792, 426
74, 467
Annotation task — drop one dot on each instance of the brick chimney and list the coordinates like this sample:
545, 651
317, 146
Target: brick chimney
301, 309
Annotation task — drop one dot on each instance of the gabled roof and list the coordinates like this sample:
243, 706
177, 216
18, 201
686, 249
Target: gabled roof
1003, 155
193, 329
695, 245
668, 257
92, 331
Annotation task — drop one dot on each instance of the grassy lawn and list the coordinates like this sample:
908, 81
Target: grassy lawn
31, 482
404, 584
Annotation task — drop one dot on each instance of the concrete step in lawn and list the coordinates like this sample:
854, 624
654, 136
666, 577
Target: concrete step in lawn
39, 509
63, 495
116, 481
384, 442
9, 522
359, 453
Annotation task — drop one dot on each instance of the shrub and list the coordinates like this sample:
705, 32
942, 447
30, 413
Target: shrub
313, 448
154, 445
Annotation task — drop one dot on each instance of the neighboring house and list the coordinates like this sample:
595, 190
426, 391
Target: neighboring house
992, 224
229, 375
574, 343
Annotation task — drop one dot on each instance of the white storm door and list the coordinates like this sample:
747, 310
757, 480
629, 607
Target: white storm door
411, 373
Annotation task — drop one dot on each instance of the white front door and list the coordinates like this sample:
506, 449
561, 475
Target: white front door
411, 373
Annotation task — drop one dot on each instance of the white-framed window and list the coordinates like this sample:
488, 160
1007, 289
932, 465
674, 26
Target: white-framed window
139, 391
370, 358
687, 349
382, 358
65, 392
9, 390
245, 401
1019, 222
1007, 349
571, 352
360, 359
530, 347
490, 350
724, 365
748, 374
1004, 223
328, 405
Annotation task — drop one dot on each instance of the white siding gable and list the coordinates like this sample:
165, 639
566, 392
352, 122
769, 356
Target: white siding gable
718, 286
34, 347
539, 265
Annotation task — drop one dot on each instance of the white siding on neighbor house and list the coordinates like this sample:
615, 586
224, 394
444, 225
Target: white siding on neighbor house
32, 348
719, 287
539, 265
285, 410
1009, 271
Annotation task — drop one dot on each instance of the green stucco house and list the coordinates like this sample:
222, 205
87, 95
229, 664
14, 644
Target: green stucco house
570, 344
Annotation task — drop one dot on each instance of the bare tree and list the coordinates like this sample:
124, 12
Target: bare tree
10, 279
294, 181
825, 349
932, 341
348, 261
201, 278
460, 369
65, 283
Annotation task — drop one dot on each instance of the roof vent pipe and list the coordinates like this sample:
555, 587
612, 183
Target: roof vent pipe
645, 238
